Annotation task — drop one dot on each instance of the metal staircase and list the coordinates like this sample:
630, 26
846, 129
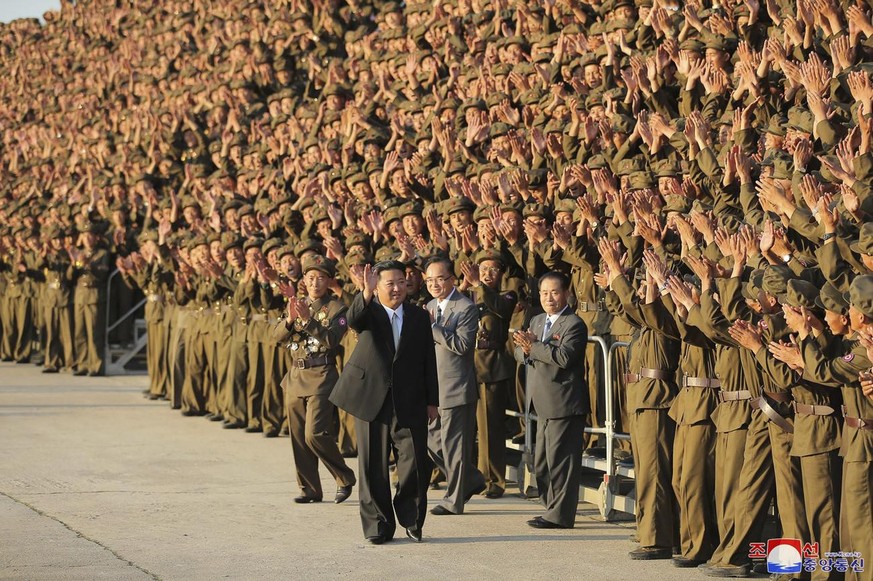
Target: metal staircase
120, 358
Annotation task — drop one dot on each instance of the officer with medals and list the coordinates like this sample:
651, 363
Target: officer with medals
312, 333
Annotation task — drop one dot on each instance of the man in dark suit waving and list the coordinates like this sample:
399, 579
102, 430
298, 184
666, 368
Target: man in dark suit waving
389, 385
553, 350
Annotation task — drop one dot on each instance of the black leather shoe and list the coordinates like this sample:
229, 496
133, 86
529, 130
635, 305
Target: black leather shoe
494, 493
414, 533
651, 553
377, 540
215, 417
80, 373
50, 370
233, 425
303, 499
478, 490
541, 523
686, 563
342, 494
271, 434
440, 510
191, 413
153, 396
95, 374
254, 429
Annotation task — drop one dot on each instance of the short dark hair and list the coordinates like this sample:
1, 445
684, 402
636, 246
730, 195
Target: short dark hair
386, 265
555, 275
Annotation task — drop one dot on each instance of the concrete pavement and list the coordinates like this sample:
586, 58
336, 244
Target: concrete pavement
98, 483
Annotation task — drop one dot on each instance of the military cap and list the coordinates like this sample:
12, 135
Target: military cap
800, 293
499, 129
357, 239
391, 214
284, 250
319, 263
567, 205
597, 161
753, 285
588, 58
145, 236
776, 125
864, 245
861, 295
213, 237
800, 119
539, 210
831, 299
358, 257
640, 180
254, 242
490, 254
666, 168
460, 204
410, 208
307, 245
85, 228
482, 213
188, 202
196, 241
385, 253
319, 214
271, 244
691, 44
230, 240
629, 166
718, 42
775, 280
245, 210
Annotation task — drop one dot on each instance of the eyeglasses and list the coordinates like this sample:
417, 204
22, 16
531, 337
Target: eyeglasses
489, 269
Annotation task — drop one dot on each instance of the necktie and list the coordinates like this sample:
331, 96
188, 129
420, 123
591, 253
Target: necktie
439, 315
395, 329
547, 328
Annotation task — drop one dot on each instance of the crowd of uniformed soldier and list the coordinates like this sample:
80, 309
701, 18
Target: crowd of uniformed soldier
701, 172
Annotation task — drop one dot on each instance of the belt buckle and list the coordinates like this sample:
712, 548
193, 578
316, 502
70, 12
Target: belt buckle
300, 363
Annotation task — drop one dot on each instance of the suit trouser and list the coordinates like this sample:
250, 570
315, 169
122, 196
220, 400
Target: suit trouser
729, 448
856, 513
694, 487
89, 337
754, 493
313, 438
59, 337
821, 497
491, 422
450, 444
652, 432
375, 441
558, 467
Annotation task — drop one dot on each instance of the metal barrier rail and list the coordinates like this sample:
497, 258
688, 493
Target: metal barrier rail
113, 367
606, 497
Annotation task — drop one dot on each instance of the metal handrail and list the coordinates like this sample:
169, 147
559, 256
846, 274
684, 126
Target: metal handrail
107, 355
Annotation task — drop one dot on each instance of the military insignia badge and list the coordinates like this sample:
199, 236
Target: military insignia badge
848, 357
342, 321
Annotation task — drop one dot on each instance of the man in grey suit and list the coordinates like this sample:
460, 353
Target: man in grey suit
451, 438
553, 350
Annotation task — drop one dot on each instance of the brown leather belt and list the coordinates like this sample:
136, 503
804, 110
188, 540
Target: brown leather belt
485, 345
314, 362
587, 307
739, 395
857, 423
765, 408
780, 396
813, 410
660, 374
688, 381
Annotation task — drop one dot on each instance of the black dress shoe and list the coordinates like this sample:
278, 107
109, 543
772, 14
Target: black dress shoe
190, 413
215, 417
377, 540
271, 434
95, 374
478, 490
153, 396
685, 563
233, 425
651, 553
50, 370
494, 493
440, 510
414, 533
350, 454
541, 523
254, 429
80, 373
303, 499
342, 494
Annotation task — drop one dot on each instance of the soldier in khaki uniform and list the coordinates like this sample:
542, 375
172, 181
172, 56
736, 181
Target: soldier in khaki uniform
89, 270
312, 332
495, 366
57, 305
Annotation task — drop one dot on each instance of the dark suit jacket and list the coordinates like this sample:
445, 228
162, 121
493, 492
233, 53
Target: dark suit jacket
556, 367
374, 367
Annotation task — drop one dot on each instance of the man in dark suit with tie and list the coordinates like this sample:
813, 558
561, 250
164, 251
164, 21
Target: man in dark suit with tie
451, 438
553, 350
389, 384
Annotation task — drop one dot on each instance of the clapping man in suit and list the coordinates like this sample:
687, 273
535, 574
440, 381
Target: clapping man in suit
450, 439
553, 349
389, 384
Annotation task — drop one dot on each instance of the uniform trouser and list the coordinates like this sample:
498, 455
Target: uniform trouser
623, 418
255, 381
856, 513
210, 385
491, 422
821, 498
594, 371
5, 329
177, 356
39, 326
235, 398
450, 444
789, 484
223, 368
558, 467
272, 413
90, 337
376, 439
196, 369
754, 493
22, 327
58, 337
729, 449
313, 438
156, 356
652, 433
346, 437
694, 487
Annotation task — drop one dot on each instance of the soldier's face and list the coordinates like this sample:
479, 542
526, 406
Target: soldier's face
565, 219
392, 288
857, 319
838, 324
490, 273
316, 284
413, 225
553, 297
